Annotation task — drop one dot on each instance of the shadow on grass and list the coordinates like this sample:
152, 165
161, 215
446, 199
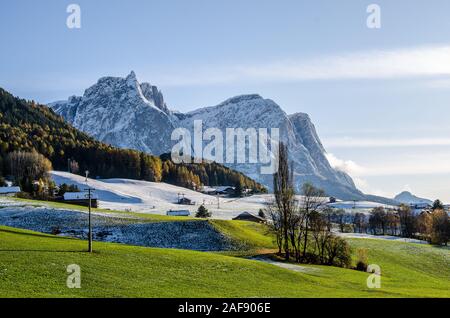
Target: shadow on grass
45, 251
30, 233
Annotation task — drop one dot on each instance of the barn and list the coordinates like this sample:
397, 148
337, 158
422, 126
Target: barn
247, 216
80, 198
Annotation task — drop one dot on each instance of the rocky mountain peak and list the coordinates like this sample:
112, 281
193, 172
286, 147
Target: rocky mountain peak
129, 114
151, 93
122, 112
241, 98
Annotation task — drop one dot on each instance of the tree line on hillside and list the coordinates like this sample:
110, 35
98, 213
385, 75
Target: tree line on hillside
432, 225
26, 127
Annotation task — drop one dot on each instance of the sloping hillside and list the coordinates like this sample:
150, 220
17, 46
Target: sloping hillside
159, 197
34, 265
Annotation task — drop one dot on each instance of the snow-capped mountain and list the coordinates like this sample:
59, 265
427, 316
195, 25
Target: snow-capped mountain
127, 114
409, 198
296, 131
121, 112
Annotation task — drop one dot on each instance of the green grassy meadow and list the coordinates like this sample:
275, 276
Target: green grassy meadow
34, 265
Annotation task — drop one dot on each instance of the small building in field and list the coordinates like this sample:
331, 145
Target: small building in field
208, 190
9, 191
227, 190
185, 201
247, 216
417, 208
80, 198
178, 213
218, 190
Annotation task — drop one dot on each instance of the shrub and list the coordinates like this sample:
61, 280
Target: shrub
347, 228
56, 230
339, 252
362, 260
23, 195
202, 212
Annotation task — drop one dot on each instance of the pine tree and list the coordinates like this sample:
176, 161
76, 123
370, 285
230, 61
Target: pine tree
202, 212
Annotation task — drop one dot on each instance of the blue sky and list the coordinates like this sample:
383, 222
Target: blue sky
380, 98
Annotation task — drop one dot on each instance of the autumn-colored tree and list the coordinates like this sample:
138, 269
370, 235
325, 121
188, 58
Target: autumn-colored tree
440, 227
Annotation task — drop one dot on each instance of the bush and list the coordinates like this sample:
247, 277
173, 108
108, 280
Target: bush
339, 252
202, 212
362, 260
311, 258
23, 195
56, 230
347, 228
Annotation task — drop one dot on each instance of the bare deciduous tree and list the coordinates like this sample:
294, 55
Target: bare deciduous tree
284, 196
312, 199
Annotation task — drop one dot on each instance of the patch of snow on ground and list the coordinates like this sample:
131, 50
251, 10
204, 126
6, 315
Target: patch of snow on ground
193, 235
380, 237
159, 197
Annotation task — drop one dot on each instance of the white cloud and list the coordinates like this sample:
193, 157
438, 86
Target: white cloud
356, 172
347, 166
418, 164
425, 61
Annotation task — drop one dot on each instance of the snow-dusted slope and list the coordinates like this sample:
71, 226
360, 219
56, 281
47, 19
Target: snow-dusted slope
121, 112
127, 114
158, 198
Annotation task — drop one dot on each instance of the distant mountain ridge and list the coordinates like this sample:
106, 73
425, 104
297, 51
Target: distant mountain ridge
407, 197
129, 114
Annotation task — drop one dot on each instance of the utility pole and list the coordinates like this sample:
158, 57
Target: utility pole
90, 223
218, 202
89, 190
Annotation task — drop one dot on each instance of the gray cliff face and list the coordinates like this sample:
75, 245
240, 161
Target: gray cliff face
127, 114
306, 152
121, 112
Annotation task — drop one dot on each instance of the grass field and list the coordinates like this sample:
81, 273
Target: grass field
34, 265
253, 236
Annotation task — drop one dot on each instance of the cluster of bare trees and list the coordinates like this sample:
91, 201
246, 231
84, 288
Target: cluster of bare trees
303, 233
433, 225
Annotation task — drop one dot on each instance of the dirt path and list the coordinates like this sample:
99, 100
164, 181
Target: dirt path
292, 267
